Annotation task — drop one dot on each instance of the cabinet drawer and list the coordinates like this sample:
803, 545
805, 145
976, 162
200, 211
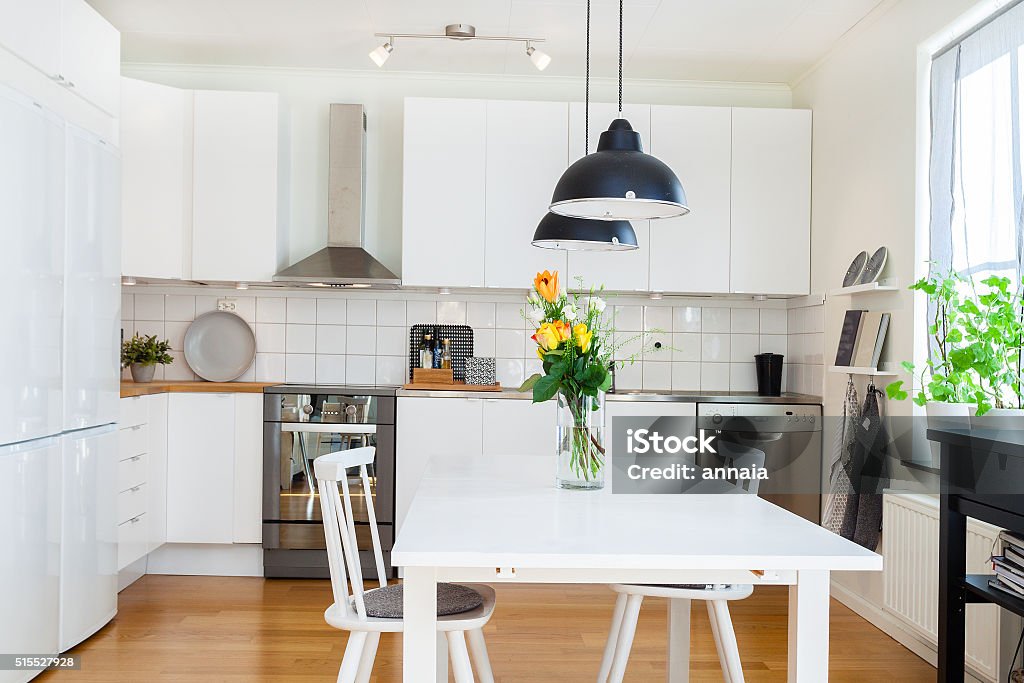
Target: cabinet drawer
132, 472
131, 503
133, 441
131, 540
133, 411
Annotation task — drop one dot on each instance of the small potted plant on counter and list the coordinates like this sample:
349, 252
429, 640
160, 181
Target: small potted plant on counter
974, 368
141, 354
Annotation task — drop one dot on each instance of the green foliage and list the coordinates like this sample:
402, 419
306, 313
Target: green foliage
977, 344
146, 351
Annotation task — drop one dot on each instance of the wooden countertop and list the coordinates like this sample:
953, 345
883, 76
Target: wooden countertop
167, 387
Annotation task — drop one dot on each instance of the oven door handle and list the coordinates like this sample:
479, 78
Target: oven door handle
329, 428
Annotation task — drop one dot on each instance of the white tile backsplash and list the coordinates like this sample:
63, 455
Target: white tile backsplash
715, 319
180, 307
362, 339
714, 376
715, 348
300, 339
480, 315
331, 312
745, 320
362, 312
744, 347
330, 369
270, 367
360, 369
686, 318
451, 312
510, 316
391, 313
301, 311
331, 339
271, 310
420, 313
149, 307
300, 367
178, 370
270, 338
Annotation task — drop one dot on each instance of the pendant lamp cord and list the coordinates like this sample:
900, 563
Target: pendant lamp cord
586, 105
620, 58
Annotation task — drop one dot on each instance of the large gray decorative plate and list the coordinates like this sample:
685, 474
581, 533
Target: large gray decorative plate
856, 268
873, 268
219, 346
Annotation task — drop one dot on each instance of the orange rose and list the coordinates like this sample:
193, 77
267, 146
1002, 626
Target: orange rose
546, 284
562, 329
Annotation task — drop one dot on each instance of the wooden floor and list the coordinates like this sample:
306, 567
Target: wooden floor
174, 628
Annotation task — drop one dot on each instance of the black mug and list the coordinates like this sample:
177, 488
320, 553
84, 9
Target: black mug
769, 374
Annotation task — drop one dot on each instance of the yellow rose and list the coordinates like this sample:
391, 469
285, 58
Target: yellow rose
562, 330
547, 337
583, 336
546, 284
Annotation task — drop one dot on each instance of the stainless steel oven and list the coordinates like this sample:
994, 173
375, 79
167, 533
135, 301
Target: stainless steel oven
301, 423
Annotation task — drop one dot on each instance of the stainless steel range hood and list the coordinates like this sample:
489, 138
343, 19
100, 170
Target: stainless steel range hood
344, 262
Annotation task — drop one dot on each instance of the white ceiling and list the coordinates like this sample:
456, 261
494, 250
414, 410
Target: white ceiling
728, 40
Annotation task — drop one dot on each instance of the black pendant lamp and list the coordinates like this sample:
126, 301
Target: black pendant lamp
580, 234
619, 181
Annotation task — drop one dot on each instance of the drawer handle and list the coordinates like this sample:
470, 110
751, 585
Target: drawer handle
136, 458
135, 520
136, 428
135, 489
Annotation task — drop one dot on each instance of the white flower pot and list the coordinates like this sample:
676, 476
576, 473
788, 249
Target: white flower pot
999, 418
949, 415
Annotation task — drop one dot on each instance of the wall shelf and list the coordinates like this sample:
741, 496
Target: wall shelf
886, 285
852, 370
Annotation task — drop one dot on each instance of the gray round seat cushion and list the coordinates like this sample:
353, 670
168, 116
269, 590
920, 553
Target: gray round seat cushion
452, 598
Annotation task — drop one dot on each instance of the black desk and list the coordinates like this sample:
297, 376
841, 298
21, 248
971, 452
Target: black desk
982, 476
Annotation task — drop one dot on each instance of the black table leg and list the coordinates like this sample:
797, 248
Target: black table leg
952, 572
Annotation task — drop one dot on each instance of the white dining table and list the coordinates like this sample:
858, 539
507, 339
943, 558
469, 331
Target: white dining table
501, 520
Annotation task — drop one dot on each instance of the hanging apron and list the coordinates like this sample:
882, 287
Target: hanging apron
840, 497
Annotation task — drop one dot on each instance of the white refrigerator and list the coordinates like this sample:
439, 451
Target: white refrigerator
59, 379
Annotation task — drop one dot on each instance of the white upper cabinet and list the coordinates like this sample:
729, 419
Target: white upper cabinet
156, 152
616, 270
235, 234
443, 203
70, 43
690, 253
31, 30
90, 61
771, 201
526, 155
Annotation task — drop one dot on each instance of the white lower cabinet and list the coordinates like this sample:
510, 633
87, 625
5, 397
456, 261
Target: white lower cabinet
471, 427
214, 457
141, 476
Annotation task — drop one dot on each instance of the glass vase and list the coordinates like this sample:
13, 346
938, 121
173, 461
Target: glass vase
580, 442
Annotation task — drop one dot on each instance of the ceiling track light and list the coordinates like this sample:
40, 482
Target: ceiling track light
380, 54
619, 181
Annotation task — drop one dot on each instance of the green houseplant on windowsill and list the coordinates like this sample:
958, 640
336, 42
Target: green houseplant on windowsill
975, 365
142, 354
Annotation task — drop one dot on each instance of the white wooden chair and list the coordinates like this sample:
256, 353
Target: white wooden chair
349, 611
717, 597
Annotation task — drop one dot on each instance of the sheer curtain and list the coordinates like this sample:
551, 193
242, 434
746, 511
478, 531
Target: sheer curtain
975, 166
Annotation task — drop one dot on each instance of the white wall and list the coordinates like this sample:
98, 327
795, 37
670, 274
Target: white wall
307, 94
864, 159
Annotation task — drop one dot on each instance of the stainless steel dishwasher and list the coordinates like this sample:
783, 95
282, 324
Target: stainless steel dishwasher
790, 437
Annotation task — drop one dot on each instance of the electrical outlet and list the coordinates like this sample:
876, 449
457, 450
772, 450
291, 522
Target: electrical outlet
227, 304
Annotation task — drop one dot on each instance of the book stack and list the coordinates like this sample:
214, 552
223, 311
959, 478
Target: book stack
862, 338
1009, 566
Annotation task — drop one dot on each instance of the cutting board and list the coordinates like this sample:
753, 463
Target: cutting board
457, 386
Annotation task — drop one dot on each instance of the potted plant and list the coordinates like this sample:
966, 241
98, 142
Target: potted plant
975, 365
574, 343
142, 354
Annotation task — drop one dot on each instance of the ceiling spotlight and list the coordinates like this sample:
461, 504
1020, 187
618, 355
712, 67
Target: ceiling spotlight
381, 54
539, 59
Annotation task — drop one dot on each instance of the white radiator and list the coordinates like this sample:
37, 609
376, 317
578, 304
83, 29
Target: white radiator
910, 546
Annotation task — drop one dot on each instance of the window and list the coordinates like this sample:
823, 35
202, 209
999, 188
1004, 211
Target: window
975, 165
